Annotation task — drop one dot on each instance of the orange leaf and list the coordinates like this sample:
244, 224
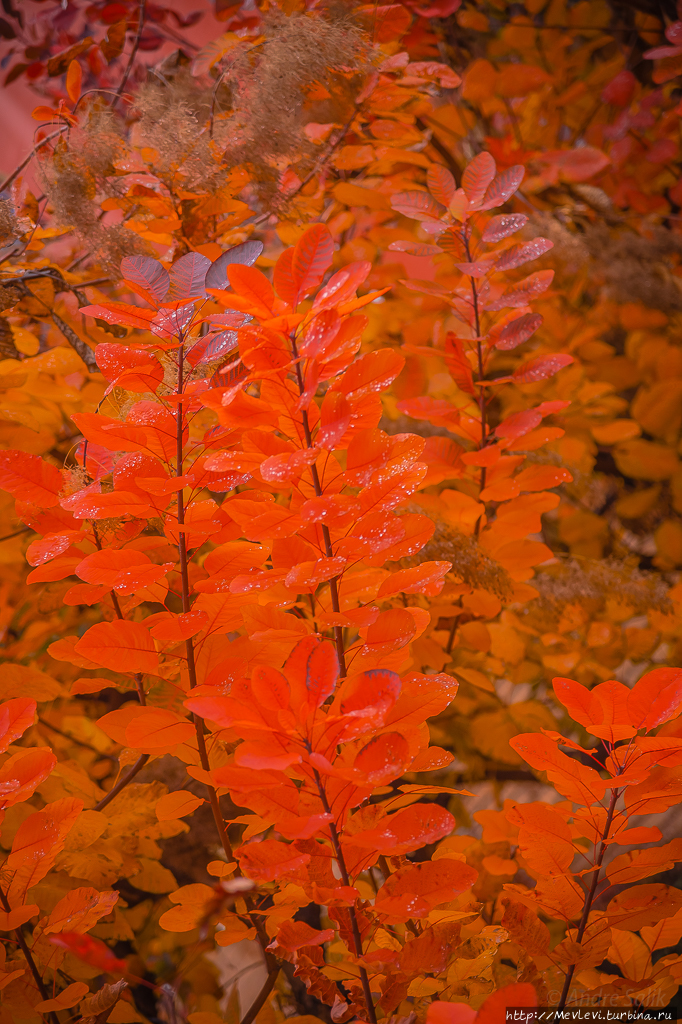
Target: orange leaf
253, 287
656, 698
156, 729
15, 718
79, 910
494, 1008
22, 773
270, 859
311, 258
29, 478
74, 77
120, 645
427, 578
73, 993
177, 805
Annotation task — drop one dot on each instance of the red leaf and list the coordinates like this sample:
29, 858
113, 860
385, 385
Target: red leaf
383, 759
15, 718
283, 277
516, 332
269, 860
427, 578
371, 373
494, 1009
92, 951
518, 424
342, 286
148, 273
119, 313
541, 368
407, 830
311, 260
253, 286
131, 368
180, 627
656, 698
29, 478
312, 669
292, 935
502, 226
477, 177
503, 187
441, 184
458, 364
517, 255
523, 291
620, 89
154, 730
417, 205
22, 773
121, 645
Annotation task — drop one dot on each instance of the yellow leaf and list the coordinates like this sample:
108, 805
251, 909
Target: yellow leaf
645, 460
15, 918
355, 195
65, 1000
177, 805
618, 430
153, 877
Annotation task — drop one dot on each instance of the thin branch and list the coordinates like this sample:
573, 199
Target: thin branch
17, 170
29, 959
122, 783
24, 529
615, 793
133, 52
262, 997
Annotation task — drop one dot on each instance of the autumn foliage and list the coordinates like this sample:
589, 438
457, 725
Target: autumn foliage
342, 514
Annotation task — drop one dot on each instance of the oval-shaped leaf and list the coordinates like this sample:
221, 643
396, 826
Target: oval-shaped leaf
188, 277
517, 255
518, 331
541, 368
503, 187
247, 253
502, 226
148, 273
477, 177
441, 184
417, 205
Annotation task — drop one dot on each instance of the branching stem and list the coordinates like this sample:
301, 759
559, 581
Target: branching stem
29, 960
615, 793
326, 536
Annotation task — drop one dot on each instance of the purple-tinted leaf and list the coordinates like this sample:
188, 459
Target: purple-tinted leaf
230, 318
479, 269
247, 253
503, 187
172, 321
541, 367
188, 276
417, 205
520, 254
415, 248
502, 226
148, 273
477, 177
522, 292
518, 331
230, 375
211, 347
